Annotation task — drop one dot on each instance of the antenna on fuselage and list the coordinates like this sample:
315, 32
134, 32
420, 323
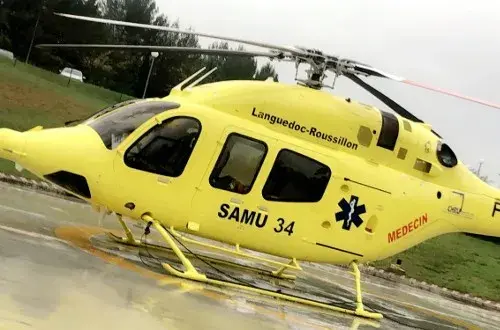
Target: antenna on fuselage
197, 81
188, 79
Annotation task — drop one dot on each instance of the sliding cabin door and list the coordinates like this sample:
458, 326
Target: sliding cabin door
296, 192
270, 196
227, 202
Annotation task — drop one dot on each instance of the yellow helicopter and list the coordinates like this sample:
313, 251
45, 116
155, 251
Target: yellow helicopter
286, 170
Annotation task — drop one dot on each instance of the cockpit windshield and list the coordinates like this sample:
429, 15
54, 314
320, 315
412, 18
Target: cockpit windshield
109, 109
114, 124
100, 112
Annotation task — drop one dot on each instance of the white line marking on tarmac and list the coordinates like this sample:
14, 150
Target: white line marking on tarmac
32, 234
58, 209
38, 215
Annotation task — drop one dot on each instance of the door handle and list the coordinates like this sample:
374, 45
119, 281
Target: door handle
163, 180
236, 201
263, 208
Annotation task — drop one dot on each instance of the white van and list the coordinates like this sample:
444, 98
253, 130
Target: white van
72, 73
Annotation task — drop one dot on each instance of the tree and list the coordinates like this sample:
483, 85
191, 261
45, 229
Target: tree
20, 16
265, 72
121, 71
127, 70
131, 68
19, 20
5, 42
171, 68
229, 67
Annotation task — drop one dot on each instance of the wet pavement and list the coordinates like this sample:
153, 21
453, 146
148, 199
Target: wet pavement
59, 270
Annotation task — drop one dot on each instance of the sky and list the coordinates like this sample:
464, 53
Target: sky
447, 44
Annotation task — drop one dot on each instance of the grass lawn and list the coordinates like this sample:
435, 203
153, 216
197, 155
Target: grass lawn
454, 261
30, 96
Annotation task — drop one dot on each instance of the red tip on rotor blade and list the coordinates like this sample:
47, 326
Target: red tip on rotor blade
409, 82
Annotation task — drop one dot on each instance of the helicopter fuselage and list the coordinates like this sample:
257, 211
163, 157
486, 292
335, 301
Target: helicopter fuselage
280, 169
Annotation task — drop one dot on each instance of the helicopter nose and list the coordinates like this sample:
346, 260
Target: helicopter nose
70, 157
12, 144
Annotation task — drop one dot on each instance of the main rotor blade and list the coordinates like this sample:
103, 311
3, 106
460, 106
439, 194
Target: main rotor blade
439, 90
192, 50
389, 102
168, 29
375, 72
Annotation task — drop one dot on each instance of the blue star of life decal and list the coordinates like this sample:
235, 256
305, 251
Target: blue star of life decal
350, 213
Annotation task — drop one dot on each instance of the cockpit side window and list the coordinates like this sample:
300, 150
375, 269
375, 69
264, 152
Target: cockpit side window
115, 126
166, 148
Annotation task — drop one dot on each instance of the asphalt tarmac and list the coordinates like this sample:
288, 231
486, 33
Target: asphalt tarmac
58, 270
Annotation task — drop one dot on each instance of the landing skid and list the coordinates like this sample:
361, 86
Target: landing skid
191, 273
149, 247
279, 267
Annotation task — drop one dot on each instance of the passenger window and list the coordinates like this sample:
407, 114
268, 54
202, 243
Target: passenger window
238, 164
166, 148
296, 178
